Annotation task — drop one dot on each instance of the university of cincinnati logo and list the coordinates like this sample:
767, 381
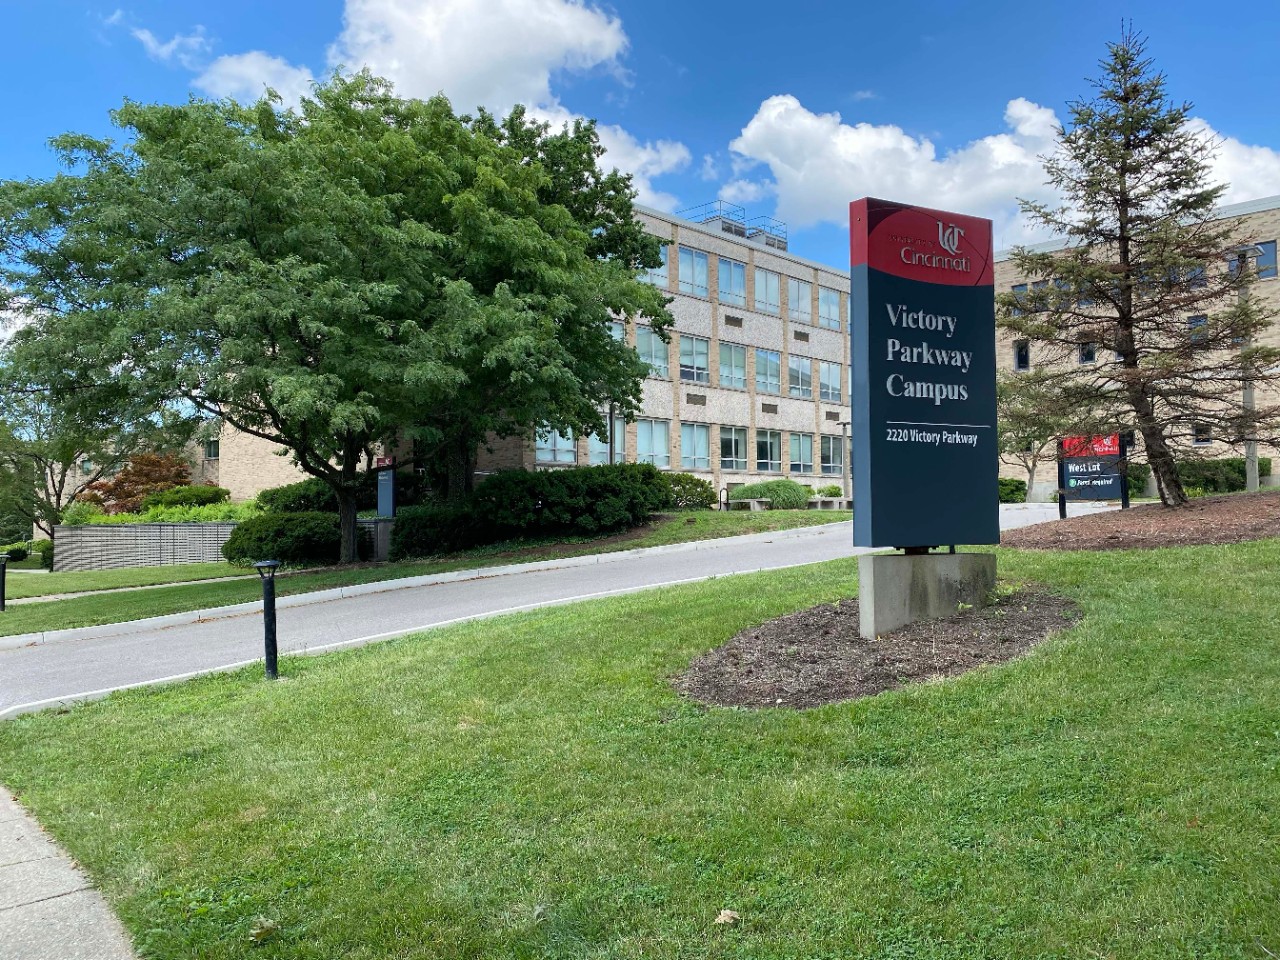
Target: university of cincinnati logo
949, 237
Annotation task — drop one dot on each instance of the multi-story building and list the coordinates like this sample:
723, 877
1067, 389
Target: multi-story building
1258, 222
752, 383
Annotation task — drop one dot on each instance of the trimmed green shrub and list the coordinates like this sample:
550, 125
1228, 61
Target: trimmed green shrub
690, 493
209, 513
585, 500
1139, 474
199, 495
830, 490
435, 529
1013, 490
296, 539
1224, 475
45, 548
17, 553
782, 494
80, 512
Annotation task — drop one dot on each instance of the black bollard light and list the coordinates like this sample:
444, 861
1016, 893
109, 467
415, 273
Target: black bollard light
267, 571
4, 563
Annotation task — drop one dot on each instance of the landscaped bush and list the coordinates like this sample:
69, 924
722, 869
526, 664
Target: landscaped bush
83, 511
1013, 490
1139, 474
583, 501
1225, 475
199, 495
691, 493
144, 474
830, 490
297, 539
16, 553
45, 549
782, 494
431, 530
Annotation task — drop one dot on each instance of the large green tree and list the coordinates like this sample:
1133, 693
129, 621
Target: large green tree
1144, 284
335, 277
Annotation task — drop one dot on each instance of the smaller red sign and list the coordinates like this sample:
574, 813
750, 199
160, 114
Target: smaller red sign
382, 461
1108, 446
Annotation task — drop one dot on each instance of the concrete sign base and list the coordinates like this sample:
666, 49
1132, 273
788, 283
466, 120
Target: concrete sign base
895, 589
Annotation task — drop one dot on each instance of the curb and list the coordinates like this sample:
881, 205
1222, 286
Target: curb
107, 630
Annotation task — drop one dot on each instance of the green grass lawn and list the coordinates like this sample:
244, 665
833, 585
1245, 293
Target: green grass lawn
530, 787
118, 607
75, 582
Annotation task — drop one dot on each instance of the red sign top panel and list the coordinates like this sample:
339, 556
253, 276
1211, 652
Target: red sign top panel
917, 243
1108, 446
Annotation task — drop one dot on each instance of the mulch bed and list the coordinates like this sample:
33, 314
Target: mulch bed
1233, 518
817, 656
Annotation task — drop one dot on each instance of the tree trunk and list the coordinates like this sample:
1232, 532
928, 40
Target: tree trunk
1159, 456
461, 470
347, 511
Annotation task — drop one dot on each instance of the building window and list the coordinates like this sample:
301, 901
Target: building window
1020, 296
829, 381
211, 449
733, 366
768, 371
658, 275
833, 456
1088, 352
693, 272
800, 377
800, 300
695, 363
599, 446
733, 282
829, 308
653, 442
555, 447
1198, 330
733, 448
768, 291
86, 466
617, 330
1201, 435
695, 446
769, 451
801, 453
1022, 354
653, 351
1267, 261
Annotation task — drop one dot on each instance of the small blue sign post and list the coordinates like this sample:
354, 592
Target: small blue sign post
386, 486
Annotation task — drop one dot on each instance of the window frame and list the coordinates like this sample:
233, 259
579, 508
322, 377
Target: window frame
734, 435
802, 366
557, 444
763, 305
647, 337
728, 269
1019, 347
804, 316
768, 436
647, 425
831, 456
728, 383
696, 374
825, 321
658, 276
763, 387
688, 278
793, 460
695, 430
598, 448
828, 392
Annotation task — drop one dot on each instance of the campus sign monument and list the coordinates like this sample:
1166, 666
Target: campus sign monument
925, 463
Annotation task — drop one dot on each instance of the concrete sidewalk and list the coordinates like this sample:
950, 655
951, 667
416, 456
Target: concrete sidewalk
48, 909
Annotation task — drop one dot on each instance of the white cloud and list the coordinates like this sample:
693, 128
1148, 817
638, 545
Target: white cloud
817, 163
493, 54
187, 49
644, 161
246, 76
864, 95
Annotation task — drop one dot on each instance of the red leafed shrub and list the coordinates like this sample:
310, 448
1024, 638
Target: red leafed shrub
145, 473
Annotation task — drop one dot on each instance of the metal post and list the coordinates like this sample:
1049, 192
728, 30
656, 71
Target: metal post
1062, 482
846, 479
4, 563
1247, 400
267, 571
1124, 474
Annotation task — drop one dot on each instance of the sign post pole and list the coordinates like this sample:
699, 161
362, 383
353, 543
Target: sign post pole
925, 463
1062, 482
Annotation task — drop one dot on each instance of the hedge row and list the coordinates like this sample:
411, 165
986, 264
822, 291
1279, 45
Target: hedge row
1013, 490
314, 495
517, 504
782, 494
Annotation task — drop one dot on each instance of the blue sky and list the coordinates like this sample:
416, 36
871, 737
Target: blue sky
791, 109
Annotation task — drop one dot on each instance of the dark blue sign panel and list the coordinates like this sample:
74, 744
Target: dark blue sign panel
386, 487
1092, 468
925, 464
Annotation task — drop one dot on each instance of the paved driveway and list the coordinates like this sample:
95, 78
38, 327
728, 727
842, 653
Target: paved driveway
38, 676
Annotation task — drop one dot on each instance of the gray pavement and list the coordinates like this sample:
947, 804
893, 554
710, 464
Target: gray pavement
49, 674
48, 910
